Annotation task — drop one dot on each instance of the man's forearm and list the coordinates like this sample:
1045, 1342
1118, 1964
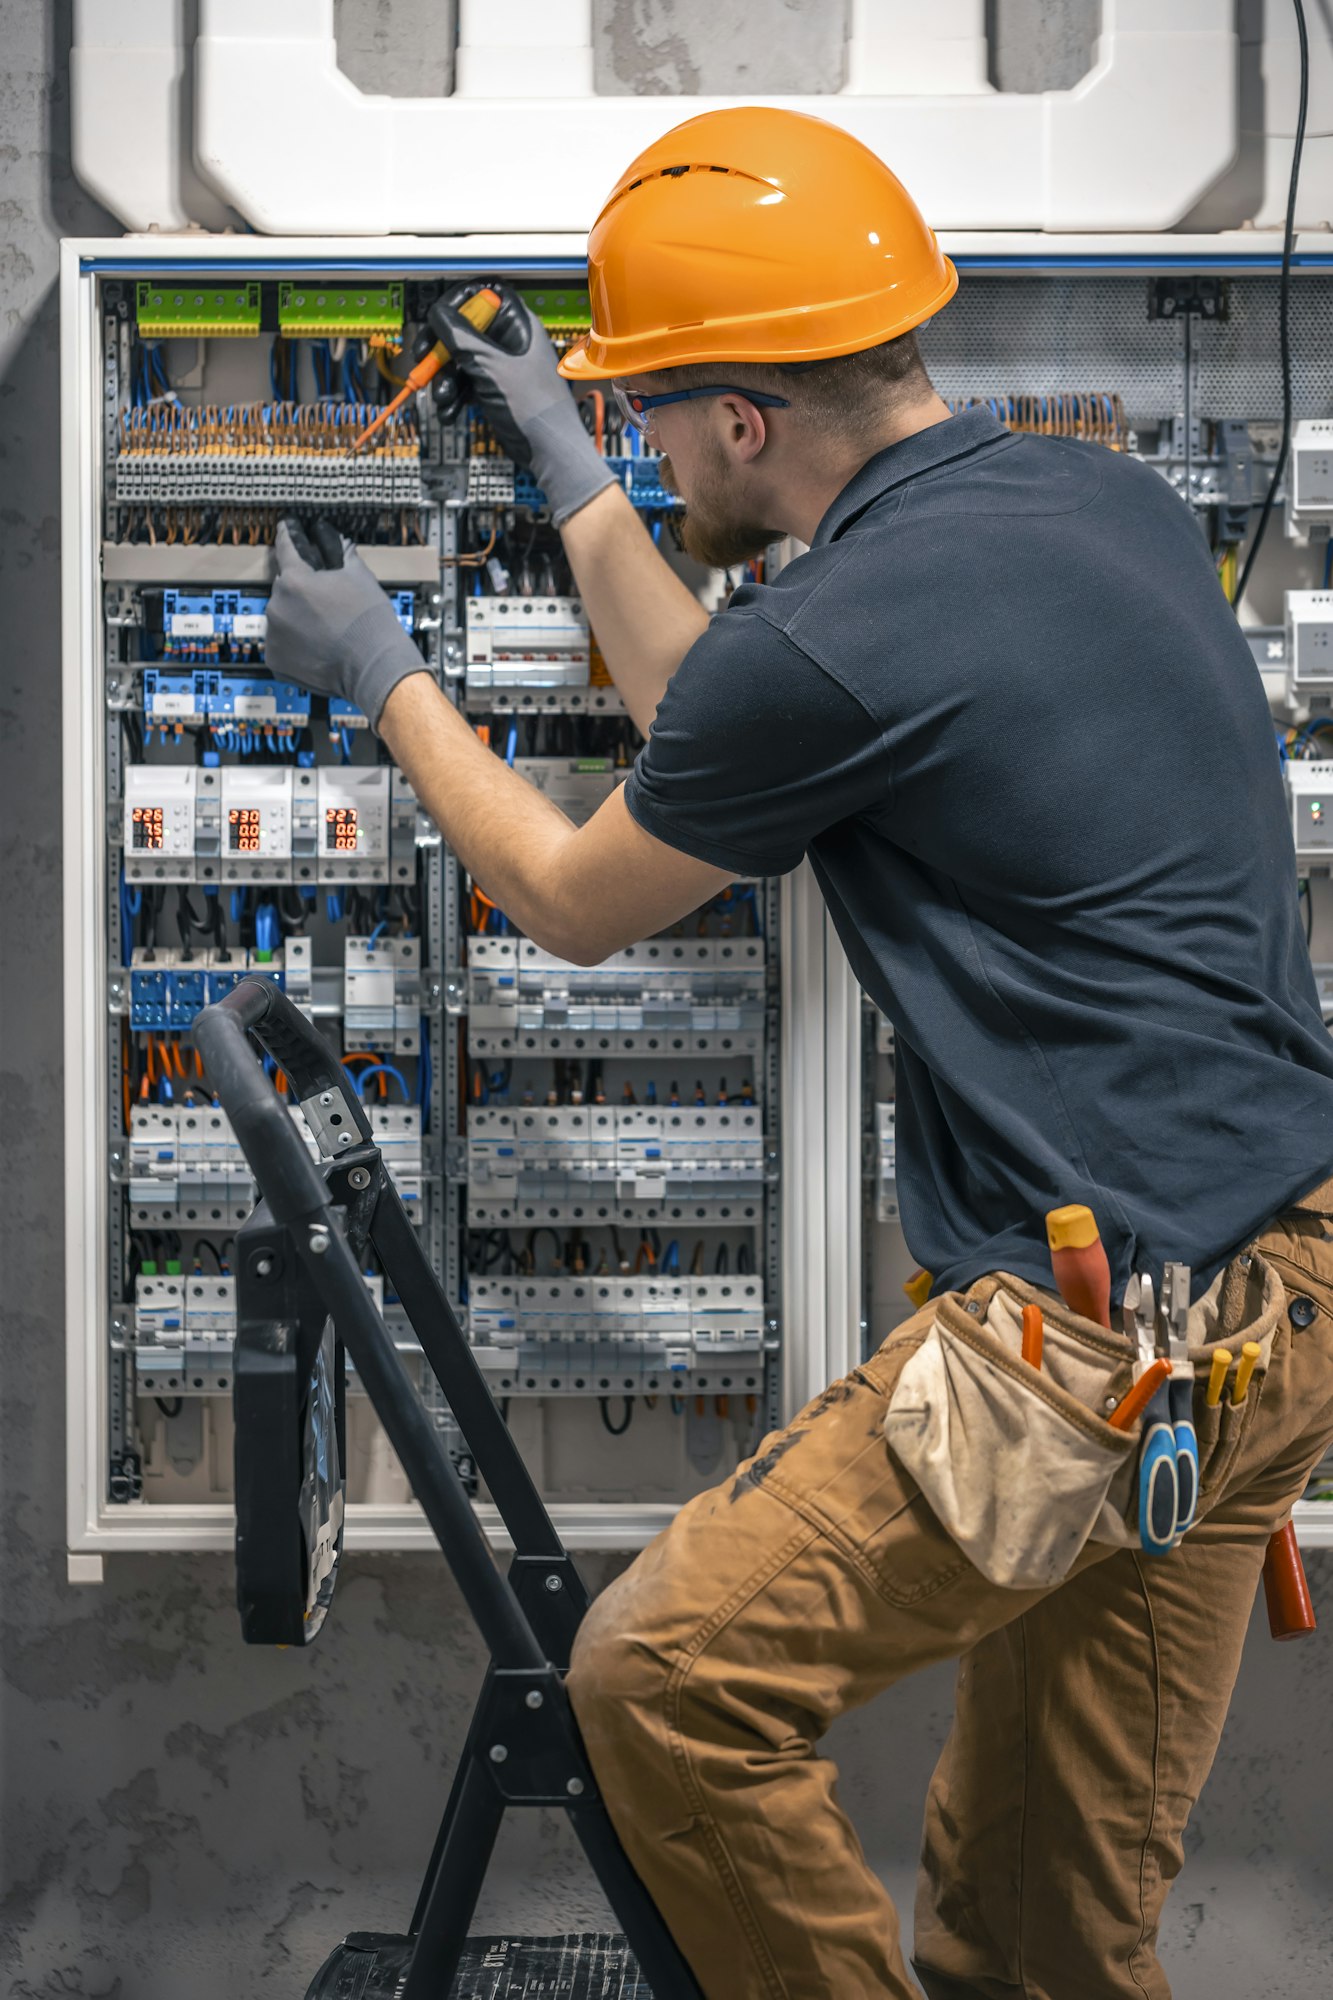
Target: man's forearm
645, 618
508, 835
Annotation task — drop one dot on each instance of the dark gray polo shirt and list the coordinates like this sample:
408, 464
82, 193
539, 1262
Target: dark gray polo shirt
1005, 708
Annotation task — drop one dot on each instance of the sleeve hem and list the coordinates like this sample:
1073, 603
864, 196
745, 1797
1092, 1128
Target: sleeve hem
716, 853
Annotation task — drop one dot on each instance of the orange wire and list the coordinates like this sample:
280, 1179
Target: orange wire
475, 558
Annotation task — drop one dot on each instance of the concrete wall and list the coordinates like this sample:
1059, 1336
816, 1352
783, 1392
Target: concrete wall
184, 1817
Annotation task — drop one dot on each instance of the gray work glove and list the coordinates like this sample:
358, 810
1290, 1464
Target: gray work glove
330, 625
527, 404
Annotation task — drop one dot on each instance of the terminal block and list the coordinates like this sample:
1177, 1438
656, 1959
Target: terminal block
207, 625
269, 455
317, 311
197, 312
174, 701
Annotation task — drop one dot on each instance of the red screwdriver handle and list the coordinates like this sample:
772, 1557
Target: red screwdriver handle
1078, 1261
1290, 1611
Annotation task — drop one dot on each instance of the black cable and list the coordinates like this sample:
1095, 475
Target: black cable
616, 1430
177, 1405
1304, 891
1283, 307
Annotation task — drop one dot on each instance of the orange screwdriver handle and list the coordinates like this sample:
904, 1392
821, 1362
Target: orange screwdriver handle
1078, 1261
1290, 1611
478, 311
1136, 1400
1034, 1333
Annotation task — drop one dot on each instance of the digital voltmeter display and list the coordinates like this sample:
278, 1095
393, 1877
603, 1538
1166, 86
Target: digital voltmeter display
243, 829
148, 827
340, 829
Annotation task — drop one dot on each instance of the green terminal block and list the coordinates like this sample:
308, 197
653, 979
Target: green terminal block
202, 312
564, 309
335, 312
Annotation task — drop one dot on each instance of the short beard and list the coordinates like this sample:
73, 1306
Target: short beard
713, 537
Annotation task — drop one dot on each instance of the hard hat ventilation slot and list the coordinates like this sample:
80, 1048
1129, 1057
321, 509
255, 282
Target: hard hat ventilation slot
680, 173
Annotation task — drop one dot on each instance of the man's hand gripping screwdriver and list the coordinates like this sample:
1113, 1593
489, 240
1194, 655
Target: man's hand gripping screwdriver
480, 310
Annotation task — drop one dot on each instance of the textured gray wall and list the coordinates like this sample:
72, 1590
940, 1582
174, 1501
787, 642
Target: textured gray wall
186, 1818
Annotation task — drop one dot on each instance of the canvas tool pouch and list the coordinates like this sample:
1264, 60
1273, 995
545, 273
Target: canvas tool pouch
1020, 1465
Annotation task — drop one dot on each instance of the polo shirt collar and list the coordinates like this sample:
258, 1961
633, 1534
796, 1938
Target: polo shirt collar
939, 444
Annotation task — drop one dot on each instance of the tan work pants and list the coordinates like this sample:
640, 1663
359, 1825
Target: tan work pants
1087, 1716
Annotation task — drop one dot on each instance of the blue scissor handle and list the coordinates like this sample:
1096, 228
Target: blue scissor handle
1159, 1486
1187, 1452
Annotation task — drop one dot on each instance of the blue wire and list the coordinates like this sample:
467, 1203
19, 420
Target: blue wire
511, 746
131, 901
383, 1069
370, 941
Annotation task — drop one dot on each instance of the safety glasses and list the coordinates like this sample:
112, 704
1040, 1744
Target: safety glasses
637, 410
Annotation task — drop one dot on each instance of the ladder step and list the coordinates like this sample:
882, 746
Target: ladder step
587, 1965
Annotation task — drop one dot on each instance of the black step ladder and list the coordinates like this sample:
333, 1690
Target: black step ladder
302, 1300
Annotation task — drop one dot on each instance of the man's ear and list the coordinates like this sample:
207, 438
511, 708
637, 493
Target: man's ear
745, 429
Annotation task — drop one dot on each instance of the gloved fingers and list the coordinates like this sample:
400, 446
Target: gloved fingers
291, 544
511, 332
514, 325
329, 542
458, 335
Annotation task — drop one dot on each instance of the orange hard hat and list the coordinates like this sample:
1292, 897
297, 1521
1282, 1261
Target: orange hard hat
754, 235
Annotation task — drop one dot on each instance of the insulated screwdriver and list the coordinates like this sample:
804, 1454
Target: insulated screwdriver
1078, 1260
478, 311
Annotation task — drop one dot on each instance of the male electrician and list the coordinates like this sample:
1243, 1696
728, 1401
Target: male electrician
1006, 711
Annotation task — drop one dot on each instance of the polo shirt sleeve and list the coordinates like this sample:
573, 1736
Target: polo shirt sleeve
755, 750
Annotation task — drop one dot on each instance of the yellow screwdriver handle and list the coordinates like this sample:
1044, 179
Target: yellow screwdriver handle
1217, 1375
1249, 1354
478, 311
